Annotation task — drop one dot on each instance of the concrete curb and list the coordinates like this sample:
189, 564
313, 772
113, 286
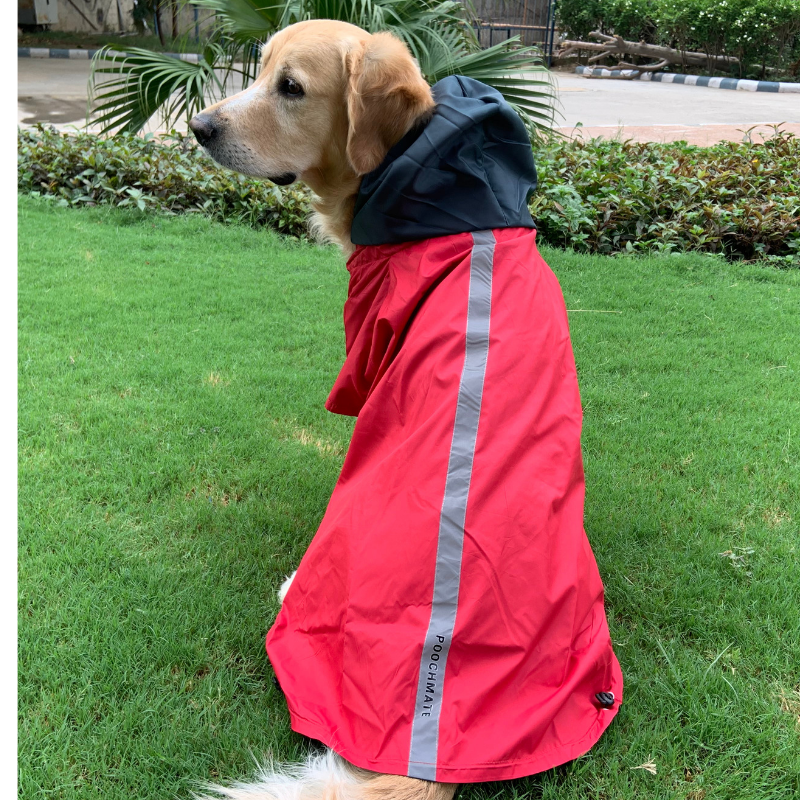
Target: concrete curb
86, 55
738, 84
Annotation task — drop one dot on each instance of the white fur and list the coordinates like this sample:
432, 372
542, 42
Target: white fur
285, 587
241, 101
323, 775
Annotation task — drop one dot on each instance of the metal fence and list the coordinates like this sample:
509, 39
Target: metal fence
532, 20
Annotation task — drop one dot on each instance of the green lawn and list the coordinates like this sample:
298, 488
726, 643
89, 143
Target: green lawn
175, 459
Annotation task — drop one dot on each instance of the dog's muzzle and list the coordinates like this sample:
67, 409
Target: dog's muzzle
208, 132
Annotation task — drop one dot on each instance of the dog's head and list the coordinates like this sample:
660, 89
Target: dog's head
330, 100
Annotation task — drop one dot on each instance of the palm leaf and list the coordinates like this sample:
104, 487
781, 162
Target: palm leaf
439, 34
374, 15
245, 20
141, 84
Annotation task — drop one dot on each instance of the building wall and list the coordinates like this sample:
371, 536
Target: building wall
93, 16
100, 15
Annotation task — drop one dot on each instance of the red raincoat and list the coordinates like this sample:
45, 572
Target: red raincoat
447, 621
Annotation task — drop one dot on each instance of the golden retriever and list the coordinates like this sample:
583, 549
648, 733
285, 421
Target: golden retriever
433, 186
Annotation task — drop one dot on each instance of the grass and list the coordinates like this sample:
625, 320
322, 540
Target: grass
175, 460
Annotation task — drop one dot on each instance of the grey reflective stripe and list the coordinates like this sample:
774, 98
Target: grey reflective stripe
427, 709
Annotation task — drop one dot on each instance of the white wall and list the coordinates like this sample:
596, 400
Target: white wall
103, 15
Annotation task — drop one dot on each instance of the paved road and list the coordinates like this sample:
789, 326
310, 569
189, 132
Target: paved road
666, 112
55, 91
52, 91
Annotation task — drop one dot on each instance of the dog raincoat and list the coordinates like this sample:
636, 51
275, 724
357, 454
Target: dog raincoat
447, 620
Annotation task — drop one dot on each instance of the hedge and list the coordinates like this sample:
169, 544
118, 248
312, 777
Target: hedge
760, 33
737, 199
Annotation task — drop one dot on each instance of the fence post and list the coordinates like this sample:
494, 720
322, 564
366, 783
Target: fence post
552, 32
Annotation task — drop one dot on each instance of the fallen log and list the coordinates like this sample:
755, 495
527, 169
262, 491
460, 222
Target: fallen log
617, 46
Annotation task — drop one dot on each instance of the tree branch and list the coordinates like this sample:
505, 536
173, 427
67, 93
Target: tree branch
617, 46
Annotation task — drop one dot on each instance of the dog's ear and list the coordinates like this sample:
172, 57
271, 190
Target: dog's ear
386, 95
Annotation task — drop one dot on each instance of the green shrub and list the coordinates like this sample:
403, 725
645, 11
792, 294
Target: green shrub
695, 24
631, 19
764, 32
760, 33
170, 174
737, 199
578, 18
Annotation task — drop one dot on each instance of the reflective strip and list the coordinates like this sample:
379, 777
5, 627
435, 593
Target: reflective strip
427, 709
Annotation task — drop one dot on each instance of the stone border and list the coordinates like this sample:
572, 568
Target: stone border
739, 84
85, 55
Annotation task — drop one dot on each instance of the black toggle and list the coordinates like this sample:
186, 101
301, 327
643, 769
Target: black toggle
606, 699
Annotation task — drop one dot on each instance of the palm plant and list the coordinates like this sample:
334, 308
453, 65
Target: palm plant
138, 83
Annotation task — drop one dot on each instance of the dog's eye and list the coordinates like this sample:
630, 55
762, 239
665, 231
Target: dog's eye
291, 87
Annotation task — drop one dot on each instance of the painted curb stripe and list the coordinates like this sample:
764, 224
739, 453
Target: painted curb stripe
56, 52
428, 707
739, 84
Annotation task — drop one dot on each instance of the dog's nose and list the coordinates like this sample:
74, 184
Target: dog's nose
203, 128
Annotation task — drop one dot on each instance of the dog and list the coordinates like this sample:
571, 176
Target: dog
446, 624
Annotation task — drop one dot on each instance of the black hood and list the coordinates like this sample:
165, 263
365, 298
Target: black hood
469, 168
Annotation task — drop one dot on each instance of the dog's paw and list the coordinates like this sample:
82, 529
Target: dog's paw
285, 587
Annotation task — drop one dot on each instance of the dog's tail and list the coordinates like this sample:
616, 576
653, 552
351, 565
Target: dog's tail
327, 776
